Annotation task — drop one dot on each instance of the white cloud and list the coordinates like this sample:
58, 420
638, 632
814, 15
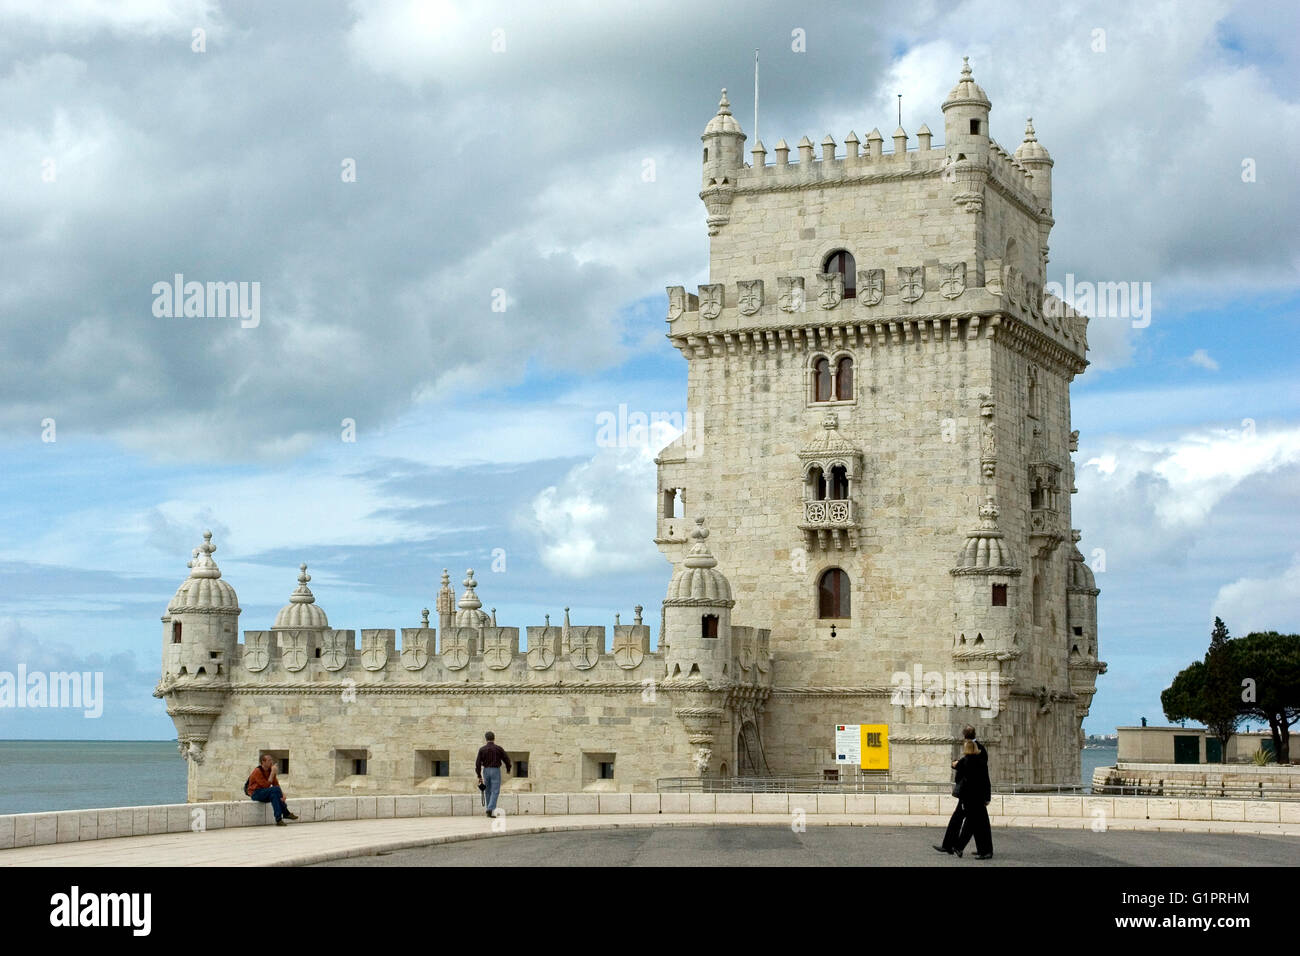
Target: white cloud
1262, 603
601, 517
1202, 358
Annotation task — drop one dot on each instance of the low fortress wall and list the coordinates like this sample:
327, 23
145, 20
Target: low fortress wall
1231, 779
39, 829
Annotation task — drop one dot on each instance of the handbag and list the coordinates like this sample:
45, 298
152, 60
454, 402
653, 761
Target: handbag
956, 789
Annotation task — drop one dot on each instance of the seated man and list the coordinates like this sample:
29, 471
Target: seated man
263, 785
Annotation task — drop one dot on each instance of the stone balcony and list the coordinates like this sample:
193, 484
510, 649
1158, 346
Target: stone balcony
829, 524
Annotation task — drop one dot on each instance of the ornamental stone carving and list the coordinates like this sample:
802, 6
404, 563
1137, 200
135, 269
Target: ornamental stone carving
584, 647
711, 300
750, 298
629, 651
334, 650
415, 650
911, 283
374, 650
871, 286
294, 650
499, 649
676, 302
790, 294
831, 292
257, 651
456, 650
952, 281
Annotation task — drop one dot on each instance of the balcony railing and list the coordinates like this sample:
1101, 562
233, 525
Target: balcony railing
831, 513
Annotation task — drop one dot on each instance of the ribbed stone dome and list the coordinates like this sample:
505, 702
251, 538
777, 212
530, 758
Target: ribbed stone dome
471, 613
1079, 576
967, 92
302, 611
698, 578
986, 550
723, 122
204, 590
1031, 149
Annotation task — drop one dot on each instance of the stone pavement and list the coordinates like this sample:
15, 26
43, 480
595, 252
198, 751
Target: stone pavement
305, 843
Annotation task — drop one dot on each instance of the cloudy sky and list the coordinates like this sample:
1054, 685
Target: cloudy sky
389, 171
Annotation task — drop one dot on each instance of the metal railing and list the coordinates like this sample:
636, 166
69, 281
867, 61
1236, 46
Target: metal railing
812, 783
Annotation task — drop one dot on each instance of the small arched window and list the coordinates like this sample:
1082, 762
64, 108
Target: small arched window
709, 625
833, 594
822, 380
844, 379
817, 483
176, 632
838, 486
842, 262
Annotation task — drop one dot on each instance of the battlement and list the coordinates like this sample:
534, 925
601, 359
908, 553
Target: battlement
555, 657
922, 302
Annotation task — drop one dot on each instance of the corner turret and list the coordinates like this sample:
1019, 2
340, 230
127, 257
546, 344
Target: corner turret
724, 144
697, 615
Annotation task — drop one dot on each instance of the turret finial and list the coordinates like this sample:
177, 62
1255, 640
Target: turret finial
1030, 136
724, 107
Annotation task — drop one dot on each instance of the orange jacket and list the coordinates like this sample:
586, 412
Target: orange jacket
258, 781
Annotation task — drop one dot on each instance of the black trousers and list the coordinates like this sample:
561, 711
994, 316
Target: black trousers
955, 822
976, 825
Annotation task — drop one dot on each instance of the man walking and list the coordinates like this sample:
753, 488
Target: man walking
263, 785
958, 818
487, 767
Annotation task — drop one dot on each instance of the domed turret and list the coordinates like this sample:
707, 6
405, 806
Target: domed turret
1081, 603
201, 622
985, 584
724, 146
1034, 157
471, 613
302, 611
697, 615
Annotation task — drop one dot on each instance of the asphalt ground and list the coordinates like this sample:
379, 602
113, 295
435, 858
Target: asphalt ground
822, 846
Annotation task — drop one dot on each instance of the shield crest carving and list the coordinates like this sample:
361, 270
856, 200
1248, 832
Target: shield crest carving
790, 293
415, 651
831, 293
871, 286
294, 650
911, 282
257, 652
751, 296
953, 282
711, 300
334, 650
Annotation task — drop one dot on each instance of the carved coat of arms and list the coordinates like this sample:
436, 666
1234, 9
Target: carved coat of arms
790, 293
455, 648
334, 650
871, 286
911, 282
750, 299
831, 293
676, 302
257, 652
711, 300
498, 650
415, 651
583, 652
293, 650
953, 280
374, 651
628, 652
541, 654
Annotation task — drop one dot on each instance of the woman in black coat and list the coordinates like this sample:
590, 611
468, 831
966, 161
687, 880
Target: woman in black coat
976, 792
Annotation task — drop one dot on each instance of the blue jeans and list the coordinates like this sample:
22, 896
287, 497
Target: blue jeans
492, 778
274, 797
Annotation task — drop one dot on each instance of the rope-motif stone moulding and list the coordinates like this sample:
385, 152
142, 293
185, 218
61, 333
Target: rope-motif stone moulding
465, 687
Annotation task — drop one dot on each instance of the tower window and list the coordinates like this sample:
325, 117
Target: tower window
706, 154
999, 595
176, 632
709, 625
842, 262
844, 379
822, 380
839, 484
1078, 631
975, 127
817, 484
833, 594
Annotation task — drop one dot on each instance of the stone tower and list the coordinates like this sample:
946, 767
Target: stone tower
874, 369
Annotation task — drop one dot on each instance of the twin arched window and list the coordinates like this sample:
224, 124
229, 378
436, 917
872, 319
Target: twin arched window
832, 487
833, 594
832, 383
